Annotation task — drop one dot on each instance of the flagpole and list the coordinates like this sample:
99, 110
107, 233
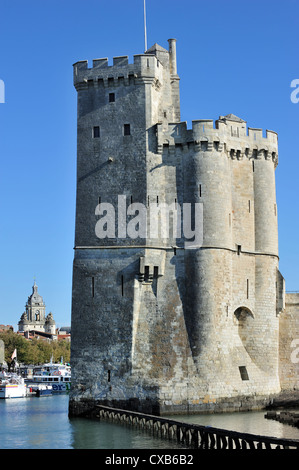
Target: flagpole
145, 38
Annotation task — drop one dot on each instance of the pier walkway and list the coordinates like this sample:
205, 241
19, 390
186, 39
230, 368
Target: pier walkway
192, 435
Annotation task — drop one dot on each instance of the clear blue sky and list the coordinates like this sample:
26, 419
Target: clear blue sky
234, 56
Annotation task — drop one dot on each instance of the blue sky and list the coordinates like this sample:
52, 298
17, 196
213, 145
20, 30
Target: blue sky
233, 57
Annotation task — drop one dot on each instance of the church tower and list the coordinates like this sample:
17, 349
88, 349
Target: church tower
34, 318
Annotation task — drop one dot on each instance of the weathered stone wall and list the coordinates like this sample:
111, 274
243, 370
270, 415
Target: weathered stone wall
289, 343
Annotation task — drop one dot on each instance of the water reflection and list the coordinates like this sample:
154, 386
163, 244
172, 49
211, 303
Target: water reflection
252, 422
43, 423
94, 434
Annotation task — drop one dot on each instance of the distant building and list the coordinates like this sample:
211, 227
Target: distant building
5, 328
34, 318
64, 333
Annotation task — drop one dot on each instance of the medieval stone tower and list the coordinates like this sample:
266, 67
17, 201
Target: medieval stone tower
158, 325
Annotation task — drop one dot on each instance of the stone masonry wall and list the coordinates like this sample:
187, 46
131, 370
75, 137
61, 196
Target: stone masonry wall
289, 343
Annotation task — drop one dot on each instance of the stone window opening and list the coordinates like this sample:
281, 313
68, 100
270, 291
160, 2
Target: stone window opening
122, 286
92, 286
127, 129
243, 373
96, 132
111, 97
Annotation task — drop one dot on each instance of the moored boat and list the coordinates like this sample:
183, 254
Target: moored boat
58, 376
12, 386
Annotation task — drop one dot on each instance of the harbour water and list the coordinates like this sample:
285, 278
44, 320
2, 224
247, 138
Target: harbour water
43, 423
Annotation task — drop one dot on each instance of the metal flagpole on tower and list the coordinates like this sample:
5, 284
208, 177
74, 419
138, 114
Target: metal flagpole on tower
145, 38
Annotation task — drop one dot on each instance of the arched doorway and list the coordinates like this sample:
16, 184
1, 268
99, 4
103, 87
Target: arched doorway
246, 324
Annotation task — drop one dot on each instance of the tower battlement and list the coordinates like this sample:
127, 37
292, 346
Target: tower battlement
225, 134
145, 66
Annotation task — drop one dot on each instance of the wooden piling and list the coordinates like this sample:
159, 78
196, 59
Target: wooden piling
192, 435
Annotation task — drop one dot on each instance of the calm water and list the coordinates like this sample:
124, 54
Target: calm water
43, 423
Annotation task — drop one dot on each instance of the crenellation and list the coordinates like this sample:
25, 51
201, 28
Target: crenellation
144, 66
121, 61
98, 63
209, 135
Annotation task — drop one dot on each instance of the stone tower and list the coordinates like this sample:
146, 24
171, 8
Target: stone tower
160, 325
34, 318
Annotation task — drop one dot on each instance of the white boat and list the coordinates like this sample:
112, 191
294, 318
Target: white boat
58, 376
12, 386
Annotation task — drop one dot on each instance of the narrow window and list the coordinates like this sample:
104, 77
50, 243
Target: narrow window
243, 373
253, 166
275, 209
239, 249
127, 129
111, 97
99, 200
156, 271
122, 286
92, 286
148, 201
157, 199
247, 288
96, 132
109, 375
199, 190
174, 251
131, 199
249, 205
